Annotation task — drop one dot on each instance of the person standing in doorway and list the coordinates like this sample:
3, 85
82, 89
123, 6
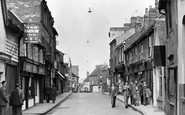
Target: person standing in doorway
114, 93
53, 93
3, 98
47, 92
16, 100
144, 93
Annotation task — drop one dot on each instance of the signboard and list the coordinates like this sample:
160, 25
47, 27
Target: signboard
32, 33
35, 70
28, 67
41, 70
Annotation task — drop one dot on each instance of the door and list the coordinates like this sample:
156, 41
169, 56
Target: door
172, 91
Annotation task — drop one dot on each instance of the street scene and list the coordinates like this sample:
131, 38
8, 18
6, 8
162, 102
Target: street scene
92, 57
90, 104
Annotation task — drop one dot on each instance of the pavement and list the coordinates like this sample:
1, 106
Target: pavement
144, 110
43, 108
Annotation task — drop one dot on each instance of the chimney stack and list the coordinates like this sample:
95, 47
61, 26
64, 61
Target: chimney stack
146, 11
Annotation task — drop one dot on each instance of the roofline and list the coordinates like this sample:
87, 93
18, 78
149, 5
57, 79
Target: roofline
140, 37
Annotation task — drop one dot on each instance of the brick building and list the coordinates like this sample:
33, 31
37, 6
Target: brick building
36, 48
175, 58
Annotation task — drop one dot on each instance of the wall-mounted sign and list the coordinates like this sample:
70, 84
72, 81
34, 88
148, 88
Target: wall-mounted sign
32, 33
28, 67
41, 70
35, 69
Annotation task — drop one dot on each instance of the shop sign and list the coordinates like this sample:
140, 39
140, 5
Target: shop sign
35, 70
41, 70
32, 33
28, 67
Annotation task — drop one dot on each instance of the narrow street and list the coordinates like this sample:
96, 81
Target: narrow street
90, 104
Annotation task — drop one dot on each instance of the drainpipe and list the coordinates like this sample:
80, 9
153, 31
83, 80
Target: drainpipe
18, 65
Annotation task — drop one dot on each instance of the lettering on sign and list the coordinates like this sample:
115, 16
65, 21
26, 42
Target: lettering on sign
32, 33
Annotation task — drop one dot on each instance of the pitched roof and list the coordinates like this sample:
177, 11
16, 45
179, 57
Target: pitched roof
98, 70
86, 79
73, 75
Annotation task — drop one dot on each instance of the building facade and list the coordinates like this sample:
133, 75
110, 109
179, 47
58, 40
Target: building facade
36, 48
175, 93
11, 31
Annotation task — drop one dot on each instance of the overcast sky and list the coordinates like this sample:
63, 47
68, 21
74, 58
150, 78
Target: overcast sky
84, 36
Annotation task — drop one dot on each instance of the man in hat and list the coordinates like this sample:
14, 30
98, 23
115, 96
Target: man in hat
16, 100
3, 98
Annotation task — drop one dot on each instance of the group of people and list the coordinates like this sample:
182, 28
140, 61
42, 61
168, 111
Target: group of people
50, 92
15, 99
139, 93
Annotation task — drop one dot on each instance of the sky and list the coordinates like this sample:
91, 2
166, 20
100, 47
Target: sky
83, 36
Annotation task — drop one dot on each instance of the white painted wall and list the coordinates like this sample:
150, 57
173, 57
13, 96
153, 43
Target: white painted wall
2, 31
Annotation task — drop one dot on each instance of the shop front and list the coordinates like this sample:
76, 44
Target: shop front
32, 82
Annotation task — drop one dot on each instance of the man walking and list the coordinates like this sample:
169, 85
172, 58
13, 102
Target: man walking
114, 93
16, 100
126, 93
3, 98
47, 92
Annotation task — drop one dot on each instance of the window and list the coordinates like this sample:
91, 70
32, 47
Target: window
35, 53
136, 54
30, 51
122, 52
141, 55
150, 47
119, 54
130, 57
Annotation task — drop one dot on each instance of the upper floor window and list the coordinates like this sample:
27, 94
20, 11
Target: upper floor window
130, 56
141, 53
150, 46
122, 54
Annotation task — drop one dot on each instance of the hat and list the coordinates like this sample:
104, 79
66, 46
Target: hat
17, 85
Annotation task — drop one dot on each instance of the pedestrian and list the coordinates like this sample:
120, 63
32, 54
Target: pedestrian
126, 93
148, 94
137, 95
53, 93
144, 93
3, 98
16, 100
47, 92
133, 93
114, 92
141, 91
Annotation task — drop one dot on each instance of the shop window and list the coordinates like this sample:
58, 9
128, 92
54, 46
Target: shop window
31, 89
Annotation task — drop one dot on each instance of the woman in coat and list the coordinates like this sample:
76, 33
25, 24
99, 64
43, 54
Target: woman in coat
53, 93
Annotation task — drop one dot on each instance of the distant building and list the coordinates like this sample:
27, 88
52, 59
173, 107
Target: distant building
96, 78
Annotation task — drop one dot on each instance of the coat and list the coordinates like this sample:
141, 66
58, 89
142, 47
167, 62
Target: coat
47, 90
148, 92
133, 89
16, 97
3, 99
115, 91
53, 93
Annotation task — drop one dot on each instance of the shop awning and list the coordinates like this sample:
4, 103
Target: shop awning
61, 75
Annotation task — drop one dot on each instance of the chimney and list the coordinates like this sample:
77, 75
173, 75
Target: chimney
156, 4
87, 73
146, 11
150, 7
